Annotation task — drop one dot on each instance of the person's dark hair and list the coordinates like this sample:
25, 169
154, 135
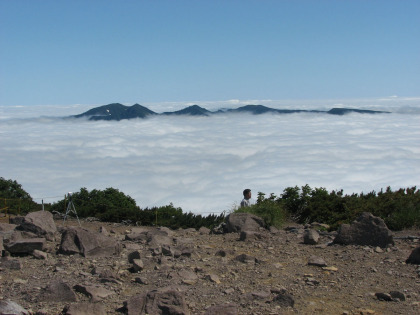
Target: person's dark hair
246, 191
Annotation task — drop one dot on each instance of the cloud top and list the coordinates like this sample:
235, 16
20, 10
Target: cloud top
202, 164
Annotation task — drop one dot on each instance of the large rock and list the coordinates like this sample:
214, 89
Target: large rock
10, 307
414, 257
237, 222
25, 246
163, 301
41, 223
77, 240
57, 291
365, 230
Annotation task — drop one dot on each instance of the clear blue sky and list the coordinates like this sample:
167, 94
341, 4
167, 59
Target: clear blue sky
98, 52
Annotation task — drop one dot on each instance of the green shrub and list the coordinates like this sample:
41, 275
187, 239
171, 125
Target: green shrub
271, 211
13, 198
399, 209
112, 205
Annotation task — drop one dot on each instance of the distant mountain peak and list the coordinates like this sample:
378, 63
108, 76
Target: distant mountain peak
117, 111
193, 110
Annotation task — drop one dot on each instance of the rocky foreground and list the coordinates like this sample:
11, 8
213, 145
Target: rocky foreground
243, 267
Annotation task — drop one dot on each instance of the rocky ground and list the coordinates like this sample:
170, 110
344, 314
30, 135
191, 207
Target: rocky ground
275, 273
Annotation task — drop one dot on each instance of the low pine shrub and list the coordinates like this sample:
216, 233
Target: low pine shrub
270, 210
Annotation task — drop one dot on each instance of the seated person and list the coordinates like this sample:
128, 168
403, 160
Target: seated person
246, 202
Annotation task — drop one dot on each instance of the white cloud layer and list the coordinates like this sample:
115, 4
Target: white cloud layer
202, 164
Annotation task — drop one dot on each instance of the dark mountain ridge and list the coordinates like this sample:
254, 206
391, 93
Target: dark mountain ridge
193, 110
117, 111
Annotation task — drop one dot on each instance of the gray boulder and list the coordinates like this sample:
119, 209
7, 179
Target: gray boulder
25, 246
40, 223
77, 240
10, 307
310, 237
162, 301
237, 222
365, 230
57, 291
414, 257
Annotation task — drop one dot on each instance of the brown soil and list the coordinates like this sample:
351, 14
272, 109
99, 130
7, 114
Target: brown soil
282, 264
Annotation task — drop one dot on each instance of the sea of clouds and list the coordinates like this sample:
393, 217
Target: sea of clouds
202, 164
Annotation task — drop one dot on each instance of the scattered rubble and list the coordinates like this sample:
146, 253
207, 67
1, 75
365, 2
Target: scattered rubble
106, 268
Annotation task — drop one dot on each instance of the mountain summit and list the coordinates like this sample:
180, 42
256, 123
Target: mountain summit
193, 110
117, 111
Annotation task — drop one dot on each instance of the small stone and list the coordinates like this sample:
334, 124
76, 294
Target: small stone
38, 254
213, 278
310, 237
141, 280
317, 261
229, 291
137, 265
284, 299
20, 281
278, 265
247, 259
96, 293
378, 250
133, 255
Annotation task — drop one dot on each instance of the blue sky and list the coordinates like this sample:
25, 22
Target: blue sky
98, 52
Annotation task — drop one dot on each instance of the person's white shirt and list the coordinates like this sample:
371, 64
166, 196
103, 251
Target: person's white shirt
246, 202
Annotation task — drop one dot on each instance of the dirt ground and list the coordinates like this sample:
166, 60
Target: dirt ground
212, 276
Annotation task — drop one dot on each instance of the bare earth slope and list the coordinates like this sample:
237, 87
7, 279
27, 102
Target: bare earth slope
213, 274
